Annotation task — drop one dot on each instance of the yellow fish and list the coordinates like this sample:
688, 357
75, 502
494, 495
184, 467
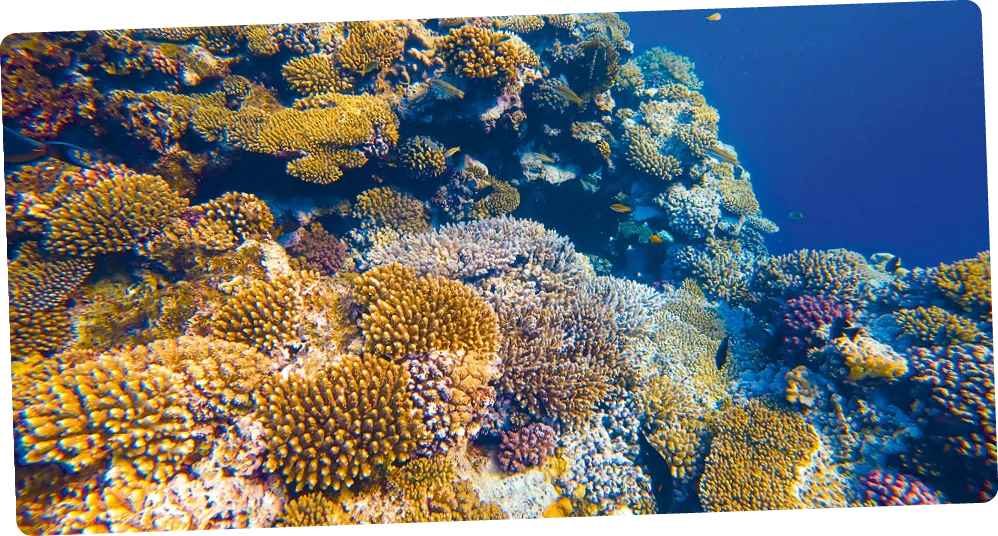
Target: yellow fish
566, 93
655, 239
617, 207
722, 155
446, 88
451, 152
713, 17
545, 158
370, 67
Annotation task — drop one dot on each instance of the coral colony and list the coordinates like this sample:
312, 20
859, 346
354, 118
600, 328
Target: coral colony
413, 348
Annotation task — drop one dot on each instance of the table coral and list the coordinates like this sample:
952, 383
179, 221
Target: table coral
755, 460
341, 424
116, 214
315, 74
405, 314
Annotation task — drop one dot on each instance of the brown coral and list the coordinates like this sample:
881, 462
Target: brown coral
755, 460
644, 154
244, 214
387, 207
432, 491
868, 358
480, 53
738, 198
422, 156
315, 74
405, 314
261, 315
35, 283
311, 510
967, 283
339, 425
675, 425
116, 214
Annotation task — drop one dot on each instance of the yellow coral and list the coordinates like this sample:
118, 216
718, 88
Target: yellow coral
405, 314
737, 197
372, 45
115, 214
503, 199
799, 389
933, 326
433, 492
133, 412
967, 283
311, 510
315, 74
756, 459
42, 331
341, 424
261, 315
35, 283
644, 155
387, 207
869, 358
422, 156
244, 214
675, 425
480, 53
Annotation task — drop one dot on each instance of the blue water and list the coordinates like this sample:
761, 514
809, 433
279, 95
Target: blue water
868, 119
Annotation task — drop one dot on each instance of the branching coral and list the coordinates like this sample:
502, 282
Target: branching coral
372, 45
502, 199
526, 447
311, 510
755, 460
432, 491
318, 250
36, 283
644, 154
933, 326
244, 214
261, 315
967, 283
662, 66
834, 273
480, 53
42, 331
315, 74
342, 424
958, 384
422, 156
799, 321
675, 425
387, 207
116, 214
405, 314
115, 407
888, 488
737, 197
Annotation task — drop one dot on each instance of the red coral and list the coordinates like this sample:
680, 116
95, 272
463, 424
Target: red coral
798, 321
527, 447
887, 488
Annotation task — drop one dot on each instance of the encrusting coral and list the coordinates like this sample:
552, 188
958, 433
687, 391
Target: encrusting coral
405, 314
339, 425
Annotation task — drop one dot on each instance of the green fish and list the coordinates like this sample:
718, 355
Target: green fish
796, 216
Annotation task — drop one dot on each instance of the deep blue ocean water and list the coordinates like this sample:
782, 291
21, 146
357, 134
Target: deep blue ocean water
867, 119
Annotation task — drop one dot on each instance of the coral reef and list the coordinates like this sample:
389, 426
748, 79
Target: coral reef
339, 425
527, 447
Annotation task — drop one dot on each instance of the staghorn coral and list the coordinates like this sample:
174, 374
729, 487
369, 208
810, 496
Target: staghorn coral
115, 407
388, 207
957, 382
755, 460
339, 425
967, 283
122, 209
422, 156
316, 249
645, 154
835, 273
261, 315
405, 314
933, 326
737, 197
888, 488
244, 214
526, 447
315, 74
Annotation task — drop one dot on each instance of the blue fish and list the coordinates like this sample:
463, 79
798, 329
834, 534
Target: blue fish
18, 149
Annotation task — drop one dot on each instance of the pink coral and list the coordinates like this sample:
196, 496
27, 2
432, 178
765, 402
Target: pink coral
798, 321
527, 447
887, 488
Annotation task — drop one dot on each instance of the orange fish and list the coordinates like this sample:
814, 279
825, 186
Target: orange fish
713, 18
617, 207
655, 239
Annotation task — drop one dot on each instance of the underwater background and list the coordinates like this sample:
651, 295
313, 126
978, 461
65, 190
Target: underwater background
498, 267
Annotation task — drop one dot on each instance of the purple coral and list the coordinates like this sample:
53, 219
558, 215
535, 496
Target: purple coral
888, 488
527, 447
319, 250
797, 321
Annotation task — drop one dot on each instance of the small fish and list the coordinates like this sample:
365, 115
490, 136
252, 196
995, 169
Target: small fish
18, 149
447, 88
722, 155
655, 239
545, 158
566, 93
796, 216
721, 357
499, 38
370, 67
840, 329
451, 152
617, 207
712, 17
484, 192
893, 265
